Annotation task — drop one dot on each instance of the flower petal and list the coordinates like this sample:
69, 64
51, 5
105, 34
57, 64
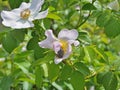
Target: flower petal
56, 46
41, 15
69, 51
66, 55
48, 42
22, 24
75, 42
68, 34
58, 60
24, 5
36, 5
9, 18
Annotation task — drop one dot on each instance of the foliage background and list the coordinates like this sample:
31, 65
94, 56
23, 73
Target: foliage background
94, 65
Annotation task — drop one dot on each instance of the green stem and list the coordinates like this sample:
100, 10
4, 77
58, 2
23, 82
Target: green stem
80, 24
79, 16
90, 76
12, 62
84, 20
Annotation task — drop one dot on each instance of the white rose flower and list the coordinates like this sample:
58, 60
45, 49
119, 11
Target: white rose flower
62, 44
23, 16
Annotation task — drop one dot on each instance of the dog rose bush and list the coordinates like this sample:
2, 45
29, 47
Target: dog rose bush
59, 45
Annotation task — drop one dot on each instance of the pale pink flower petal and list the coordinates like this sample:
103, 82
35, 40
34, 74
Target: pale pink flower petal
75, 42
66, 55
56, 46
48, 42
68, 34
58, 60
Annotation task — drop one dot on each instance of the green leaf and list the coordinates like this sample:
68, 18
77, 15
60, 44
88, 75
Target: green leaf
65, 73
110, 23
6, 82
47, 58
103, 19
91, 53
39, 76
102, 54
110, 81
24, 79
19, 35
9, 42
88, 6
26, 1
23, 55
74, 2
66, 2
112, 28
82, 53
99, 77
82, 68
23, 65
77, 80
33, 45
47, 23
84, 37
115, 43
1, 74
39, 53
16, 73
53, 16
15, 3
53, 71
51, 8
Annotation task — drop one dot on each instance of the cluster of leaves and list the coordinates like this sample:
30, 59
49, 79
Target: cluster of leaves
94, 65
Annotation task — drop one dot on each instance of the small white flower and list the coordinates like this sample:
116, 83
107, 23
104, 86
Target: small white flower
114, 5
62, 44
23, 16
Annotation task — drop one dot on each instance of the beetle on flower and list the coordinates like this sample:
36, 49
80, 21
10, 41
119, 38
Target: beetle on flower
23, 16
62, 44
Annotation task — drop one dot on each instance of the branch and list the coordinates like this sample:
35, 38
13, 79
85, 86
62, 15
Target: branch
80, 24
84, 20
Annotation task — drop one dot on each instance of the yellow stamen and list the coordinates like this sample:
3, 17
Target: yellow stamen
64, 45
25, 14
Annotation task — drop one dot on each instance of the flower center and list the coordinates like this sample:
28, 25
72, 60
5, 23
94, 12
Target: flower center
64, 45
63, 48
25, 14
